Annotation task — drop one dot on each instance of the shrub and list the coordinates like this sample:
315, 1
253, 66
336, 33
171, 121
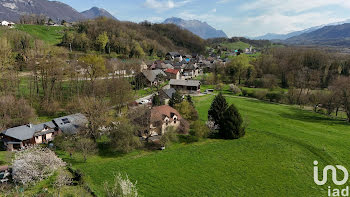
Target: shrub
244, 92
274, 96
219, 86
35, 164
260, 94
199, 129
122, 187
188, 139
235, 89
168, 137
187, 110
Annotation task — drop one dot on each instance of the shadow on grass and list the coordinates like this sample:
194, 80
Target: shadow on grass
308, 116
105, 150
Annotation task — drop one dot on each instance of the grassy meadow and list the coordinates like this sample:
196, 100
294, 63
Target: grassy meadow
275, 158
49, 34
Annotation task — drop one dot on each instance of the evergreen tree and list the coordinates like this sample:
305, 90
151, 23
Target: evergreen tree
189, 99
231, 124
217, 109
175, 99
156, 101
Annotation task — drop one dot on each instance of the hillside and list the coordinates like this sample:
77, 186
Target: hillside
12, 10
336, 35
281, 144
96, 12
133, 40
202, 29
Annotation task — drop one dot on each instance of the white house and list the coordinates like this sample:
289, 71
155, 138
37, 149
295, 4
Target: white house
7, 24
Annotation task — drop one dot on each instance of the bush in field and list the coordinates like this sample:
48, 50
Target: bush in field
244, 92
235, 89
122, 187
35, 164
219, 86
274, 96
168, 137
199, 129
260, 94
231, 125
269, 81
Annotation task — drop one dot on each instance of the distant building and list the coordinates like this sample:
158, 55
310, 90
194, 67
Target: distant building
153, 76
186, 86
7, 24
166, 94
173, 56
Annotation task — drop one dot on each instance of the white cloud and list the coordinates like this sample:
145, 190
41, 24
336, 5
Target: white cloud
164, 4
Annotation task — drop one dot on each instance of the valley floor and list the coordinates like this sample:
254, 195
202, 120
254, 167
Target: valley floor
280, 145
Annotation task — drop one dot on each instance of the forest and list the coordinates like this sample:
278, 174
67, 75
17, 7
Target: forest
131, 40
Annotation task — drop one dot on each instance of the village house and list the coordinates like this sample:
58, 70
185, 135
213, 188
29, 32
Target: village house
186, 86
166, 94
162, 118
154, 77
173, 74
7, 24
191, 70
28, 135
173, 56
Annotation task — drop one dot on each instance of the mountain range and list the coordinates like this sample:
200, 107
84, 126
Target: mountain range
202, 29
12, 10
272, 36
333, 35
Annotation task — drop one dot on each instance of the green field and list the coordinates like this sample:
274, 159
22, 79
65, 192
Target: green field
51, 35
275, 158
236, 45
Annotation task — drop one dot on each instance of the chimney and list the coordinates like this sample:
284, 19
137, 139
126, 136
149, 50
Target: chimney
30, 125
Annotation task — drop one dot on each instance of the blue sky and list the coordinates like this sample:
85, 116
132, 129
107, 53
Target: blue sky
235, 17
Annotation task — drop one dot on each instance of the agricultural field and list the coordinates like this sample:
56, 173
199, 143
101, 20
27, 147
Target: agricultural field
275, 157
51, 35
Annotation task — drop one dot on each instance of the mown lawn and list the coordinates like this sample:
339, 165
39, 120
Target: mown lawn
51, 35
275, 158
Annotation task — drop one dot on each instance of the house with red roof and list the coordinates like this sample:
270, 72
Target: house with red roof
162, 118
173, 74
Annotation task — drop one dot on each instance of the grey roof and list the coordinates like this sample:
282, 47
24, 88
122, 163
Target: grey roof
152, 74
169, 92
21, 133
190, 67
184, 82
71, 124
174, 54
40, 127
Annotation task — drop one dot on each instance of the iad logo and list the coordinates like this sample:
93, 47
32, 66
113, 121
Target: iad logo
333, 191
334, 174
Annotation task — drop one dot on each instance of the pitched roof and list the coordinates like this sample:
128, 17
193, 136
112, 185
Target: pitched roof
159, 113
24, 132
184, 82
169, 92
174, 54
152, 74
42, 126
71, 124
172, 71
